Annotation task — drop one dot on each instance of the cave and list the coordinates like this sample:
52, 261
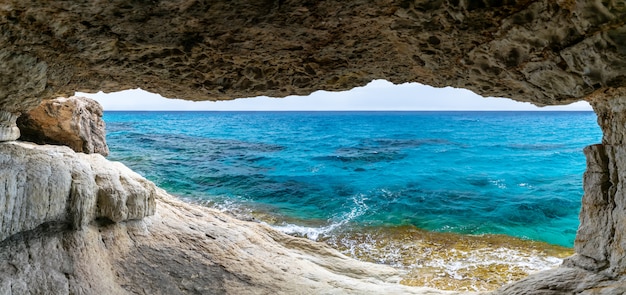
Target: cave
53, 200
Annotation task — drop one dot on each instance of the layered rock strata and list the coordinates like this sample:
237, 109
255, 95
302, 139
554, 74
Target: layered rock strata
72, 121
53, 186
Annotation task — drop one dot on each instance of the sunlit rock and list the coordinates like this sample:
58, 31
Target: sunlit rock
75, 122
54, 186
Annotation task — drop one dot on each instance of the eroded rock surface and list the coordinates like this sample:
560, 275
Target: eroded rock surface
600, 261
72, 121
546, 52
602, 234
179, 249
54, 186
8, 127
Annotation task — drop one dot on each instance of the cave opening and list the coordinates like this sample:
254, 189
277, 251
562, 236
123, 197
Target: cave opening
450, 197
545, 52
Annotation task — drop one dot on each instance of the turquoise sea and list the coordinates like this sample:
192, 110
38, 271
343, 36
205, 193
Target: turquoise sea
334, 176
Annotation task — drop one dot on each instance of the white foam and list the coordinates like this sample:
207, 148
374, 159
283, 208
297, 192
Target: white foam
455, 264
359, 208
500, 183
236, 207
527, 262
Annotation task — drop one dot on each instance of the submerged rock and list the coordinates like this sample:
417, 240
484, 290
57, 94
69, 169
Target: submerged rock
103, 241
73, 121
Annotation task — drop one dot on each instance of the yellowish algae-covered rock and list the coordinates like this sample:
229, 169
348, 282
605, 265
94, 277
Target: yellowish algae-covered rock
450, 261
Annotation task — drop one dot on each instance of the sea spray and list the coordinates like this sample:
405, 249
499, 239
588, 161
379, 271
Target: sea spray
315, 233
446, 261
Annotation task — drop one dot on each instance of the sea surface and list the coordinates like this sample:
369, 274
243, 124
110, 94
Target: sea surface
457, 200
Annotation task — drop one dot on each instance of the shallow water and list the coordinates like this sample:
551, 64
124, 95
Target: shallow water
450, 261
382, 186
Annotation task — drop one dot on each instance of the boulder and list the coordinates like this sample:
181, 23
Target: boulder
73, 121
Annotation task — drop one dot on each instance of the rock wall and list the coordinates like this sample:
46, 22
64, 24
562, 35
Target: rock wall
600, 260
543, 51
602, 236
8, 127
53, 186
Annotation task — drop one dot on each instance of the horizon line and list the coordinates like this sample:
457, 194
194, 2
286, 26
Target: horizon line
504, 110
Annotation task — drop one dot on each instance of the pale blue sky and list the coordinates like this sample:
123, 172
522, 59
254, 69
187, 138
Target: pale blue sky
377, 95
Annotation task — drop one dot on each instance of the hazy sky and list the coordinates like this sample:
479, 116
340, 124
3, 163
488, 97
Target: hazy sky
377, 95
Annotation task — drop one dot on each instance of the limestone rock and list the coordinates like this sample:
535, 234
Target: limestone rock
594, 231
8, 128
599, 263
52, 185
184, 249
34, 187
122, 193
23, 77
542, 51
156, 244
560, 281
73, 121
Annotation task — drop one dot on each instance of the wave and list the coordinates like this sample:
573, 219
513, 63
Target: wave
440, 260
315, 233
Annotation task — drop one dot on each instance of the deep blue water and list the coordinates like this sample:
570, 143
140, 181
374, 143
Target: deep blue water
512, 173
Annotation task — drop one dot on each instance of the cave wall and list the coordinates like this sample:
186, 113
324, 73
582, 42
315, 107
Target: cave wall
545, 52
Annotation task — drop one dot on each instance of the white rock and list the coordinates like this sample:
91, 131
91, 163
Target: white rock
8, 129
54, 185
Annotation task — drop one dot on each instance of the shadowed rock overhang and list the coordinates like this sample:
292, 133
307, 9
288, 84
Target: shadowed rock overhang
545, 52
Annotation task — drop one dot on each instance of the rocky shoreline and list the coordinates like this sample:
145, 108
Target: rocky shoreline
181, 249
